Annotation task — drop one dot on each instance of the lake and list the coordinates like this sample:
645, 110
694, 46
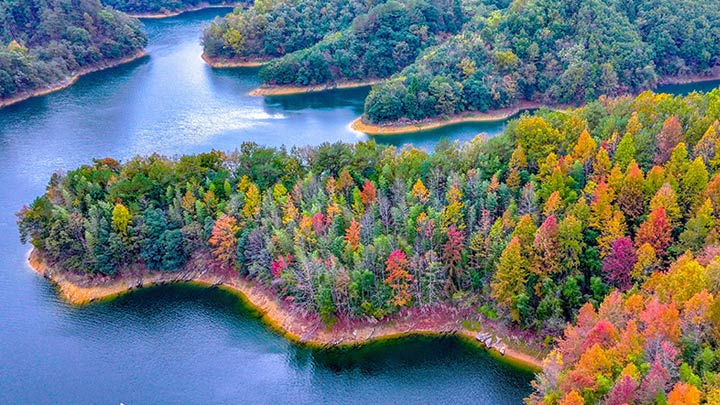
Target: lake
182, 344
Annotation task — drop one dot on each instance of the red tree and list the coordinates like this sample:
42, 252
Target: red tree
368, 193
656, 231
618, 265
398, 278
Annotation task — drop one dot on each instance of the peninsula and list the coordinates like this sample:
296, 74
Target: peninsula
602, 217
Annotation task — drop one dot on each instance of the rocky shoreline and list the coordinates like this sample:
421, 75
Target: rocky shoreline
287, 319
168, 14
265, 91
419, 126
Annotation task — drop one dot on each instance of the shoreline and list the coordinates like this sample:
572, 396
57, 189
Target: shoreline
64, 84
199, 7
690, 79
426, 125
397, 128
226, 64
281, 316
266, 91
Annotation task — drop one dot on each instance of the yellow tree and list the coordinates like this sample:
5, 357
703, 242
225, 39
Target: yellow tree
224, 239
420, 192
251, 209
121, 219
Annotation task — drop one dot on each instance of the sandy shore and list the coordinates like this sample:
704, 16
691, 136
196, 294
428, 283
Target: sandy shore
282, 316
223, 64
426, 125
202, 6
72, 79
265, 91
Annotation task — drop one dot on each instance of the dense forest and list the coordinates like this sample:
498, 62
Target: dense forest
376, 45
554, 52
273, 28
606, 216
161, 6
42, 42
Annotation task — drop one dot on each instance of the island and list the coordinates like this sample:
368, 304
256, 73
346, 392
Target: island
45, 47
586, 237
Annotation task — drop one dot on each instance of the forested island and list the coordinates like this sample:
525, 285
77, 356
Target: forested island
604, 216
45, 45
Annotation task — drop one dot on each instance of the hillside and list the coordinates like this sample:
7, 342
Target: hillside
43, 43
376, 45
273, 28
554, 52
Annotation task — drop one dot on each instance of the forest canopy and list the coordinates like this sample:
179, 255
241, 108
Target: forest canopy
554, 52
43, 42
273, 28
376, 45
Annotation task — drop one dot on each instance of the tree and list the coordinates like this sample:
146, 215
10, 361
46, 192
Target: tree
693, 184
537, 137
618, 265
224, 239
656, 231
509, 280
667, 139
352, 235
625, 152
398, 278
251, 209
698, 228
368, 193
420, 192
452, 256
631, 197
121, 218
547, 247
684, 394
584, 149
666, 199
